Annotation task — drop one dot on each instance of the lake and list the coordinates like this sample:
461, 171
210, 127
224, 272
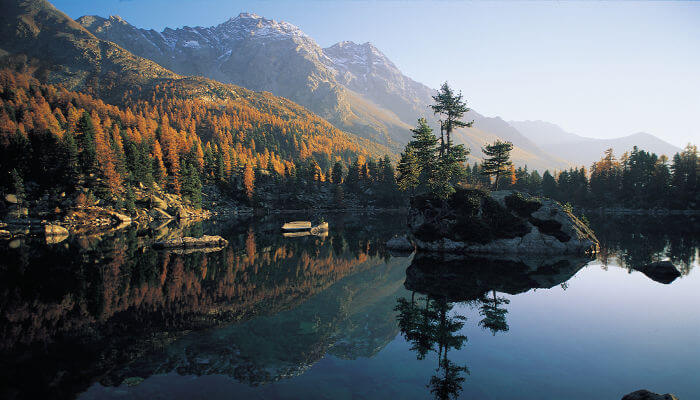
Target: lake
339, 316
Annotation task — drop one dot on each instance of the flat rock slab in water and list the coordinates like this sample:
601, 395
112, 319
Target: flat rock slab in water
663, 271
192, 243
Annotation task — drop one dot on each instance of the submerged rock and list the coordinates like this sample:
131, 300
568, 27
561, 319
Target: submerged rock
504, 222
190, 242
647, 395
662, 271
401, 243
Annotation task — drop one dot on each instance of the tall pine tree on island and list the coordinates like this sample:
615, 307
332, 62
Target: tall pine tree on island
451, 109
497, 162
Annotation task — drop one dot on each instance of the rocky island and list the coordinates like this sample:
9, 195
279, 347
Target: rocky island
501, 222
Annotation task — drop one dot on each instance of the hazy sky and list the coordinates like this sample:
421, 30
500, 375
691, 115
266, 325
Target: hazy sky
599, 69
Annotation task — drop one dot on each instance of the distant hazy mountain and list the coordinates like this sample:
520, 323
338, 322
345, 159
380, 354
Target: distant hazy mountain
583, 150
354, 86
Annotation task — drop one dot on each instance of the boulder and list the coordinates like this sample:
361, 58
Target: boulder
401, 243
503, 222
11, 198
647, 395
51, 230
662, 271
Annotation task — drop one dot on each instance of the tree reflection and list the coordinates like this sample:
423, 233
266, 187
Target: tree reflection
494, 316
429, 325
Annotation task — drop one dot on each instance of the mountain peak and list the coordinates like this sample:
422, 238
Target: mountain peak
251, 24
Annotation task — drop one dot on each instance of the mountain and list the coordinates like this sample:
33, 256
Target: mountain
65, 53
354, 86
135, 122
584, 151
259, 54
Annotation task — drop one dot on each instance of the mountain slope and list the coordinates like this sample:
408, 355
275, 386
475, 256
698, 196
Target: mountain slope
251, 127
354, 86
582, 150
259, 54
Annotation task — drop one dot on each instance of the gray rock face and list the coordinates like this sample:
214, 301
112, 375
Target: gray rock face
504, 222
647, 395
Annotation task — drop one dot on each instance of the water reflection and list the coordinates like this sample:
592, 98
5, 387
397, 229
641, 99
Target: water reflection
632, 241
429, 323
92, 308
105, 313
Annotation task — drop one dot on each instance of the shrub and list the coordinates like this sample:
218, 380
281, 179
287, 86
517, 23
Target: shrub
522, 205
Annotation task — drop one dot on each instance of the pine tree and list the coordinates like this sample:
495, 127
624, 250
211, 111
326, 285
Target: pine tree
497, 162
451, 109
71, 162
352, 179
409, 171
549, 185
337, 174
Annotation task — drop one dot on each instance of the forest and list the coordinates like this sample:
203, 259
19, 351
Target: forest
56, 141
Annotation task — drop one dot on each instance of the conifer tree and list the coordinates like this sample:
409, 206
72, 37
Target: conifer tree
497, 162
337, 173
409, 171
352, 179
451, 109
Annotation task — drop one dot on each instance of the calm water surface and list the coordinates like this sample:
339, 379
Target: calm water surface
339, 316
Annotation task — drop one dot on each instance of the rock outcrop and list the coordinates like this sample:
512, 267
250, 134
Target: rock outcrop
662, 271
647, 395
503, 222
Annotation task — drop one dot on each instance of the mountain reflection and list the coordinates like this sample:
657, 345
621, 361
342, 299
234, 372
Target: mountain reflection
430, 324
94, 308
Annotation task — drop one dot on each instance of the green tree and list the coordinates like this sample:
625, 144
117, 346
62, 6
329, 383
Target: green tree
497, 160
352, 179
337, 174
451, 109
71, 162
409, 171
549, 185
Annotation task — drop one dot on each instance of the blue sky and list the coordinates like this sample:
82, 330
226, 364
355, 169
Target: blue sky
599, 69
